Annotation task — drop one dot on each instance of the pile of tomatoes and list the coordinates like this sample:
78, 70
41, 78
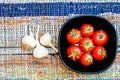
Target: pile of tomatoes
87, 44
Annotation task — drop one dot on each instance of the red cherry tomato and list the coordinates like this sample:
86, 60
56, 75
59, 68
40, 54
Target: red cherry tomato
100, 37
99, 53
87, 30
74, 36
86, 59
86, 44
74, 52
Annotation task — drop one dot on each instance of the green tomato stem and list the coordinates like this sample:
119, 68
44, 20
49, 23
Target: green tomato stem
73, 33
101, 35
73, 55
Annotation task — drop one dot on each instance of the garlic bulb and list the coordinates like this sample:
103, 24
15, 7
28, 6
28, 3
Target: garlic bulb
29, 41
39, 51
46, 41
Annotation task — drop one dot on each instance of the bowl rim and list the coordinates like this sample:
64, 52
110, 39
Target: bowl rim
59, 51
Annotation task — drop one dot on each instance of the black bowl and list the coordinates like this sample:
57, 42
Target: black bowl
98, 23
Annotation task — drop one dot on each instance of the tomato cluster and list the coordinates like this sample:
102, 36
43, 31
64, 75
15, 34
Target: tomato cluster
87, 44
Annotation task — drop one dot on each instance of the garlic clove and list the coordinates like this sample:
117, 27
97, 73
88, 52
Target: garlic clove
40, 52
28, 41
45, 40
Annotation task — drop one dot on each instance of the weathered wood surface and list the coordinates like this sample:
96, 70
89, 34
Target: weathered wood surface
49, 68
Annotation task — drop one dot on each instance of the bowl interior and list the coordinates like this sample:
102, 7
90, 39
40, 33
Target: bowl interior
98, 23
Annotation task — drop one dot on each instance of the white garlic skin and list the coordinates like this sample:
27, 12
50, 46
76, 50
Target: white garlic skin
40, 51
28, 41
45, 39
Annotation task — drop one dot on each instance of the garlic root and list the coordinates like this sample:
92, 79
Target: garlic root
53, 48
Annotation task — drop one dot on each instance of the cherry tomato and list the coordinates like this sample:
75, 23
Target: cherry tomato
74, 52
99, 53
100, 37
74, 36
86, 59
86, 44
87, 30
